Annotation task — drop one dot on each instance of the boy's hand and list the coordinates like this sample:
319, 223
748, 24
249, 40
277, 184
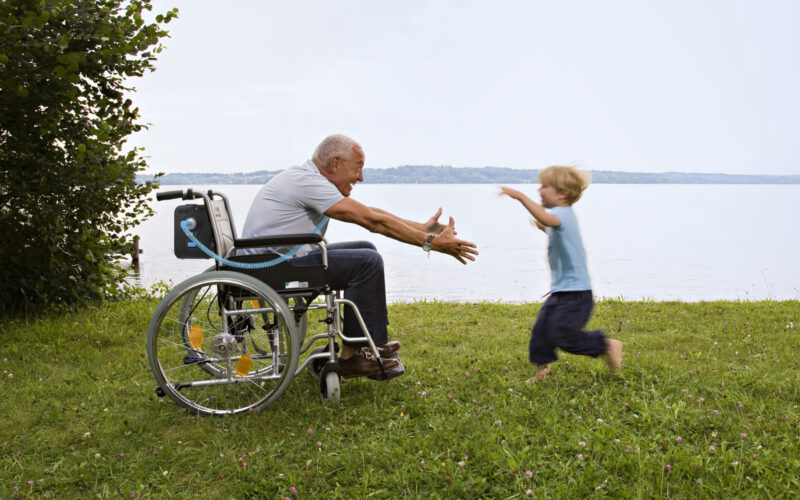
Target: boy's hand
536, 223
510, 192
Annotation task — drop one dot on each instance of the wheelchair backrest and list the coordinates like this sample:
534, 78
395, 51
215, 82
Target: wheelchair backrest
224, 233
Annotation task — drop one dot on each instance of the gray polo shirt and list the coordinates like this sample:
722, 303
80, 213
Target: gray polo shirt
294, 201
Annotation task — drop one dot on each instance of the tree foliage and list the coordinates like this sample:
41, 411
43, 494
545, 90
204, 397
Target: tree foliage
68, 196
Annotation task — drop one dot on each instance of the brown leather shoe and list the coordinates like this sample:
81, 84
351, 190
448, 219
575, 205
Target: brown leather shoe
359, 366
388, 349
390, 373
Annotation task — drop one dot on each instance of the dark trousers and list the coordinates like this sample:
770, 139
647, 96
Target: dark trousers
560, 325
357, 268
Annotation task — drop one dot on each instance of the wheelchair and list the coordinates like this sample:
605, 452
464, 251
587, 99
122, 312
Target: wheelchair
231, 339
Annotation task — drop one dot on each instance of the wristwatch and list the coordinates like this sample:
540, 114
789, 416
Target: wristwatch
428, 243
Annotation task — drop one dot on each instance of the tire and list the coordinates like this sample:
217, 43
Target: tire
222, 343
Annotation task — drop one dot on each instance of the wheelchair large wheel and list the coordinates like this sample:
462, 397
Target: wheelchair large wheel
222, 342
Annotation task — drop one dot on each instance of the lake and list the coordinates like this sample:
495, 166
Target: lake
658, 242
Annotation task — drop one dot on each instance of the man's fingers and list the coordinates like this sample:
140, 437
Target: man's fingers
462, 257
437, 214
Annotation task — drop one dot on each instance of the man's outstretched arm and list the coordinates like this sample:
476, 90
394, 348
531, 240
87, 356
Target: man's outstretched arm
382, 222
430, 226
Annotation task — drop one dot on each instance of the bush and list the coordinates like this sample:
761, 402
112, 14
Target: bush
68, 196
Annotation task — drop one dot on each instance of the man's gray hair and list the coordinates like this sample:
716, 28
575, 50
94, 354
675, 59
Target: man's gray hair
333, 145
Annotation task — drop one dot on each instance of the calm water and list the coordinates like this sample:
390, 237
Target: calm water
658, 242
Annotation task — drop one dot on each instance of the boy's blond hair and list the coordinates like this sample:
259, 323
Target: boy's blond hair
568, 181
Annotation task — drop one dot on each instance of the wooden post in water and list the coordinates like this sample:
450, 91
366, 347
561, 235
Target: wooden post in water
136, 252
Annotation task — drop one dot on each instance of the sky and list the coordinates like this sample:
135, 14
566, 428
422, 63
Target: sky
636, 85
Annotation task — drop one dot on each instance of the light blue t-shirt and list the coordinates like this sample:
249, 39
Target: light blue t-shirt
566, 254
292, 202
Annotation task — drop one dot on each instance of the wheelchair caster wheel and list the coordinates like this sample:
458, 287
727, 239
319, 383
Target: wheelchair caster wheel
330, 389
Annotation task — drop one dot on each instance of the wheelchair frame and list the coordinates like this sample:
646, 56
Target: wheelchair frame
229, 340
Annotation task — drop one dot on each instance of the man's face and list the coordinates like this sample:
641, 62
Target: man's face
346, 172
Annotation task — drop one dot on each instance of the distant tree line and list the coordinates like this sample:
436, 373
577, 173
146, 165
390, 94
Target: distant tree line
428, 174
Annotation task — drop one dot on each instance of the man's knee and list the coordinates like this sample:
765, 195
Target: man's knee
373, 259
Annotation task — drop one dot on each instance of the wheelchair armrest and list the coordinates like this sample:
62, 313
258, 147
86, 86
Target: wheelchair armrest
284, 239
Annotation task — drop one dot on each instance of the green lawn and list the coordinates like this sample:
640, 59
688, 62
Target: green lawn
706, 406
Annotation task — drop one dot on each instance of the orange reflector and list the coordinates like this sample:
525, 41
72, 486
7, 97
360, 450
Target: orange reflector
244, 365
196, 337
256, 303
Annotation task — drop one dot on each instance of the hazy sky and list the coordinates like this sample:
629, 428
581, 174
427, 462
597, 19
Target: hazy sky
639, 85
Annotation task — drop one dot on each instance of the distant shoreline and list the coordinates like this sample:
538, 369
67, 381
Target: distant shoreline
481, 175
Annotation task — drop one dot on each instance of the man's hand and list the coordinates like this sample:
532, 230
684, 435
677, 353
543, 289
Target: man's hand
446, 242
433, 225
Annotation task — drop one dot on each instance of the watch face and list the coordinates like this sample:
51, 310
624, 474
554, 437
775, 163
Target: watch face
427, 245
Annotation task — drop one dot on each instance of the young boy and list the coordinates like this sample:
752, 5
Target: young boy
568, 308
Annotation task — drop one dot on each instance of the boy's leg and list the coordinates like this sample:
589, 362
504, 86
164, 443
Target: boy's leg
541, 350
614, 356
570, 314
542, 372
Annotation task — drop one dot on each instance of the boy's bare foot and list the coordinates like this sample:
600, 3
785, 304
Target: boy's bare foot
614, 356
542, 372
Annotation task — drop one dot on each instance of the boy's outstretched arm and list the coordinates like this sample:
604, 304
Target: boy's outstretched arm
539, 213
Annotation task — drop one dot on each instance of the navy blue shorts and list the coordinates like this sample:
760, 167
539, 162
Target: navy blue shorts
560, 325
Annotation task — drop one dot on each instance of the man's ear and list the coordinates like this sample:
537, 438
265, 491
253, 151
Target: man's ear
333, 163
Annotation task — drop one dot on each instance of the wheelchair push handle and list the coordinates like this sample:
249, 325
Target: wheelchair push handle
171, 195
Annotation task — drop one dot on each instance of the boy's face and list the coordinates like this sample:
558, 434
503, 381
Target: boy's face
550, 197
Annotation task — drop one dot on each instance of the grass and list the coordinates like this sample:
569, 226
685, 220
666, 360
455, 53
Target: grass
707, 406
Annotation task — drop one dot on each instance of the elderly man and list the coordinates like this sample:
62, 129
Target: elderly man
297, 201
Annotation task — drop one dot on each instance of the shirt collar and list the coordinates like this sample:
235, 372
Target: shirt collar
310, 165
